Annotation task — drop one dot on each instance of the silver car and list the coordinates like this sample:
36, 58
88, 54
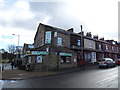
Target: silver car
106, 62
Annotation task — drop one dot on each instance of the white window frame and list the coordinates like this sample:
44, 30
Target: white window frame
55, 34
59, 42
100, 48
79, 42
90, 44
48, 37
106, 46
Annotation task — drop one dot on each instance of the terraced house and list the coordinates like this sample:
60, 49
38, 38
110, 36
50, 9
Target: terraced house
55, 48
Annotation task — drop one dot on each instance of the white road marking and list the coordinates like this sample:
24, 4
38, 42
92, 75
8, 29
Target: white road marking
106, 80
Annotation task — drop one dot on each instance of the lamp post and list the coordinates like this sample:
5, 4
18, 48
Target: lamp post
18, 43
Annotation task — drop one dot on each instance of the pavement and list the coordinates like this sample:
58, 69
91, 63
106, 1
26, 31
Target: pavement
16, 74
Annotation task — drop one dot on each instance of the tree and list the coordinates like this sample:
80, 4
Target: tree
11, 48
2, 50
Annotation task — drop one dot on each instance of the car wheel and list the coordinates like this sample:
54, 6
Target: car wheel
99, 67
108, 66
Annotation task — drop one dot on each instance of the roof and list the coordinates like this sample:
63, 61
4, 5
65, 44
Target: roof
26, 46
68, 33
54, 49
54, 29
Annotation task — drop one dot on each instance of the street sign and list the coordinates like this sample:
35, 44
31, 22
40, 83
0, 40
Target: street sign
65, 54
38, 52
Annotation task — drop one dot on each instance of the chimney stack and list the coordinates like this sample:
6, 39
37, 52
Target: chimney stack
88, 34
95, 36
70, 30
102, 39
82, 33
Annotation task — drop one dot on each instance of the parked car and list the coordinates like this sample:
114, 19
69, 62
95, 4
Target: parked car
106, 62
117, 61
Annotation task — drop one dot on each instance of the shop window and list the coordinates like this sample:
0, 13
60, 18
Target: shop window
65, 59
29, 59
39, 59
59, 42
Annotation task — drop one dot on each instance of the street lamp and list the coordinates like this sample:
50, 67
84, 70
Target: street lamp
18, 42
18, 37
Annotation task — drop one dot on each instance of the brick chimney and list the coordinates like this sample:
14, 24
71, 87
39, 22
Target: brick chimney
95, 36
88, 34
80, 33
102, 39
70, 30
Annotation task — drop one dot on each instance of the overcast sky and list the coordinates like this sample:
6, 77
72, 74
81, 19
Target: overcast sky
100, 17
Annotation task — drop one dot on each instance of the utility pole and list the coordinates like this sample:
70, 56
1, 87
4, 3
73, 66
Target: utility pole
82, 46
47, 53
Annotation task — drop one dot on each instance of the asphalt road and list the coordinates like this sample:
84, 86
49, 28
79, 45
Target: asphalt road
91, 78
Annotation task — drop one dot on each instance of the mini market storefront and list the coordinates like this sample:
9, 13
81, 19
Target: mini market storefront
54, 59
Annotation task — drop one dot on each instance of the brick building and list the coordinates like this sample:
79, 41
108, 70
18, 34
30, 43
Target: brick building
55, 48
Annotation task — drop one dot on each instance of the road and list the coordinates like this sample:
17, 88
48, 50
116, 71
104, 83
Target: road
91, 78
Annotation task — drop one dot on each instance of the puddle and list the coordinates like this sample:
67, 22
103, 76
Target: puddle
2, 81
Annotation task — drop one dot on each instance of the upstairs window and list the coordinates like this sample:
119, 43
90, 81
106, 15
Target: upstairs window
42, 41
90, 44
106, 47
79, 43
112, 48
55, 34
100, 47
59, 41
30, 46
48, 37
113, 42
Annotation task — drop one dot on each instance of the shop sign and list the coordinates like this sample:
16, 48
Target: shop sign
38, 52
65, 54
39, 59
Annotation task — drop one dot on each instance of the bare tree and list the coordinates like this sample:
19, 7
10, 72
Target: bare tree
2, 50
11, 48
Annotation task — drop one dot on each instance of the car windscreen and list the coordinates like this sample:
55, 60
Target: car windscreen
102, 59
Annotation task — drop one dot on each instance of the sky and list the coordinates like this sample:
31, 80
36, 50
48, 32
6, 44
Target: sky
22, 17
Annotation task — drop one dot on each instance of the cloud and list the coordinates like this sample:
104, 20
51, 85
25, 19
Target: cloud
23, 17
16, 14
7, 38
92, 16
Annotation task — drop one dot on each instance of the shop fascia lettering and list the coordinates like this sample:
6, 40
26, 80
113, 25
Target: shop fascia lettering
65, 54
38, 52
